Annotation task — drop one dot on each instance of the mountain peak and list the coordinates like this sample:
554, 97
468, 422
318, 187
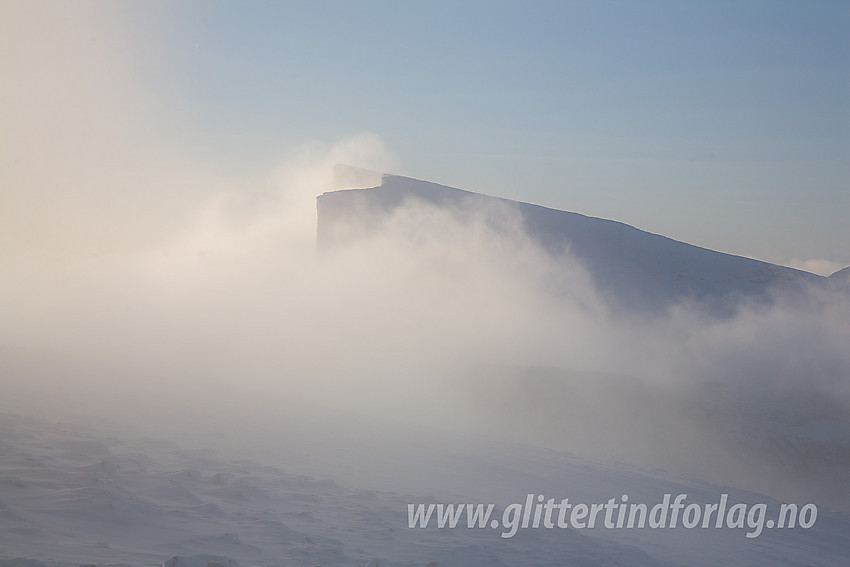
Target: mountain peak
630, 268
351, 177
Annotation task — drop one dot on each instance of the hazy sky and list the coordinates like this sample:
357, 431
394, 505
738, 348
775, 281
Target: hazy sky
724, 124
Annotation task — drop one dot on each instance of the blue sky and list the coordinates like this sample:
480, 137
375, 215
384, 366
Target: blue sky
725, 124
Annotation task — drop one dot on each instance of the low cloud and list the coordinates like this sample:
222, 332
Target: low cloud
134, 279
442, 317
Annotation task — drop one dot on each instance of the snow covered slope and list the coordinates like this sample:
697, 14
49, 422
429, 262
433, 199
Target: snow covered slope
841, 279
630, 267
77, 492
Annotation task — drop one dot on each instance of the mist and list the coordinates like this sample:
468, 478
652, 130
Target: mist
144, 284
437, 317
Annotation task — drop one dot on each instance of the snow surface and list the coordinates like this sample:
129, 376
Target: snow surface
79, 492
